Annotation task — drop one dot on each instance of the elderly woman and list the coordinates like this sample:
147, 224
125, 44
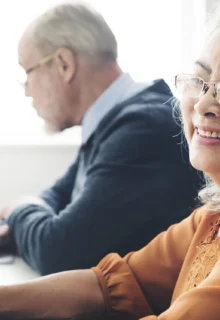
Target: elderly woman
177, 275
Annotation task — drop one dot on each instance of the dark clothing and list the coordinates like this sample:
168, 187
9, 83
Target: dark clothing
129, 182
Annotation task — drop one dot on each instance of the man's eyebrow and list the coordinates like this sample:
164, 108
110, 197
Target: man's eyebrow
204, 66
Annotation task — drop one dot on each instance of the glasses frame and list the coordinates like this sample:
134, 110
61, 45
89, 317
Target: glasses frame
40, 63
206, 84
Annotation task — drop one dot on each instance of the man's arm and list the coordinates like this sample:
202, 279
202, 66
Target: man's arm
52, 199
59, 195
137, 178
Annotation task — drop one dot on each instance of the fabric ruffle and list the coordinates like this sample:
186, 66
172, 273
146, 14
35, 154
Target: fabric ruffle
123, 296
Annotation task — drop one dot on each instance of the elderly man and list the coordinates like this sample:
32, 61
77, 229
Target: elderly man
131, 178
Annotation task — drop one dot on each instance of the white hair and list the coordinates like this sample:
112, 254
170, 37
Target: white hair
77, 27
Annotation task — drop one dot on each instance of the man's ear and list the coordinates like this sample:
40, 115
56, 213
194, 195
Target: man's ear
65, 63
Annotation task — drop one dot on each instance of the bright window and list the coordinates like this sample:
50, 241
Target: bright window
156, 39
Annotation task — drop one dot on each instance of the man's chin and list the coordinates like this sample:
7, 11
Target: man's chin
50, 129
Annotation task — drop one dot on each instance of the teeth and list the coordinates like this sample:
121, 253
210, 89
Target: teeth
208, 134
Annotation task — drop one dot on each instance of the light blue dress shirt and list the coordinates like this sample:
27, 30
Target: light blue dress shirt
123, 88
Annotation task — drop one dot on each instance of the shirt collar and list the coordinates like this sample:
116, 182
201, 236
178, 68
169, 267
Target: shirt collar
123, 88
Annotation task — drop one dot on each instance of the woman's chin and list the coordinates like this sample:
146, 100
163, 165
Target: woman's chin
205, 164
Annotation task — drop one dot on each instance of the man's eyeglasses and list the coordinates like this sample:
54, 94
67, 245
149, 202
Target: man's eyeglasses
40, 63
43, 61
192, 87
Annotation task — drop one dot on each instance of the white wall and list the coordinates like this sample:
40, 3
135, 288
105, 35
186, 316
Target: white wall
29, 169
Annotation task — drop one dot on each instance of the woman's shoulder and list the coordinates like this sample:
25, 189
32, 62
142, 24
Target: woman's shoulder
205, 212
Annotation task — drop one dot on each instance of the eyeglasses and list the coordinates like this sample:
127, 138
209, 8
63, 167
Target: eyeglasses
43, 61
40, 63
192, 87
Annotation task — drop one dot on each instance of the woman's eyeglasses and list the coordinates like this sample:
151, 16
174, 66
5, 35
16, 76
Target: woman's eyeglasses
192, 87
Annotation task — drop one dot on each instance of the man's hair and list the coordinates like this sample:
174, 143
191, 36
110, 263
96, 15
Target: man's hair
77, 27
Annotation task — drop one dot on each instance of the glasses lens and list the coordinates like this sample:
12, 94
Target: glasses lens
188, 85
217, 91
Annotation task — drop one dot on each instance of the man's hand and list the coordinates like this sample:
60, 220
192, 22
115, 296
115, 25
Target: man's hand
6, 211
5, 234
5, 237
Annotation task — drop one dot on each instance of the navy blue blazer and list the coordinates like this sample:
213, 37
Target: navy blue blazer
131, 181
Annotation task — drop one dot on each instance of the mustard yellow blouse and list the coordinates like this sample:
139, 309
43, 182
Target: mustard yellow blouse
170, 278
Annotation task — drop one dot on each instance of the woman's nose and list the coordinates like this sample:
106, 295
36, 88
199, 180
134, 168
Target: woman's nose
207, 105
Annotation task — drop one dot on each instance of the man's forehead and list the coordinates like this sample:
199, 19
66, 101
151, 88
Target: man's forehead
27, 36
26, 50
26, 46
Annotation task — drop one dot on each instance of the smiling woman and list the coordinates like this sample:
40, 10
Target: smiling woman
200, 104
150, 51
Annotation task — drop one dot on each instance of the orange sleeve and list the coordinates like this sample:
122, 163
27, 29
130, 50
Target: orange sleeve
142, 283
